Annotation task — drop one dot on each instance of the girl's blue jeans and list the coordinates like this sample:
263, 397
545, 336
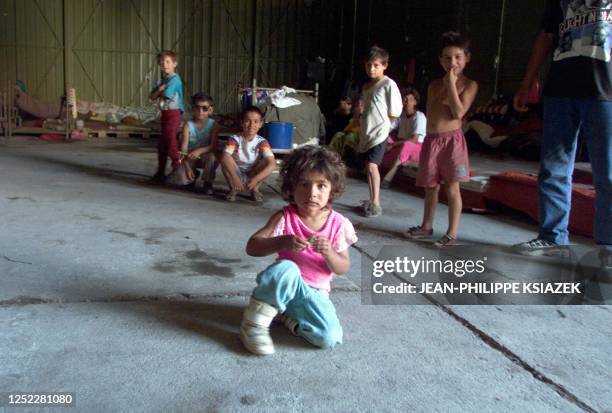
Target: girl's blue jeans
281, 285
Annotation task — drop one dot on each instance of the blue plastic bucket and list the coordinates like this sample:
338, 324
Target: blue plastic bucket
280, 134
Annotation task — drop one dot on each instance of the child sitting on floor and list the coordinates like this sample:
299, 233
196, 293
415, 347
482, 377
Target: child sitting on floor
312, 242
406, 147
247, 159
350, 135
198, 145
339, 119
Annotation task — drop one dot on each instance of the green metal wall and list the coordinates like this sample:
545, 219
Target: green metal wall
112, 48
111, 45
31, 45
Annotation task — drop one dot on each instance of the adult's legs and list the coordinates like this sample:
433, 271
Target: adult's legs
561, 123
597, 126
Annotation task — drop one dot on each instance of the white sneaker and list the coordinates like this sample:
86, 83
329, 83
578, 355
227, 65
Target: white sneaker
289, 322
539, 247
255, 327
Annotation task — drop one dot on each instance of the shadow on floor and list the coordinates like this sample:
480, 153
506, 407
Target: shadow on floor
216, 321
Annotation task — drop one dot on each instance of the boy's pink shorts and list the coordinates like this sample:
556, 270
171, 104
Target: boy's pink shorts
444, 158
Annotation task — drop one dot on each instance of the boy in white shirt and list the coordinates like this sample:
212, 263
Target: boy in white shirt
383, 104
247, 159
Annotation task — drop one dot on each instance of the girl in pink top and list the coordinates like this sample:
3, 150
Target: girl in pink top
312, 243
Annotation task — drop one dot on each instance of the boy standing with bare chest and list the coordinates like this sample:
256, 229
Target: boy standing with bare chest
444, 157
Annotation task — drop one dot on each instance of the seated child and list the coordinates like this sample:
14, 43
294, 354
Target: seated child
406, 147
312, 242
339, 119
350, 135
247, 159
198, 145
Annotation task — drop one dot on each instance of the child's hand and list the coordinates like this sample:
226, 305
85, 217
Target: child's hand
450, 79
321, 245
237, 185
251, 184
193, 155
161, 87
293, 243
520, 99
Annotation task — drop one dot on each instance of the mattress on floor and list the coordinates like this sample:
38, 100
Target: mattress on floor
520, 191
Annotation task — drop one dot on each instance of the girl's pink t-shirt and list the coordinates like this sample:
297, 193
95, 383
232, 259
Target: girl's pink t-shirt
315, 272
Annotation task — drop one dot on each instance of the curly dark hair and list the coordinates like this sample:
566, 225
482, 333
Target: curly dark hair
313, 158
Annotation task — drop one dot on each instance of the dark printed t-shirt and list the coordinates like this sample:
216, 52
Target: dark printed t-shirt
583, 39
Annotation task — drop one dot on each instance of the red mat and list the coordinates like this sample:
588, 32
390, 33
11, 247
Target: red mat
472, 200
520, 191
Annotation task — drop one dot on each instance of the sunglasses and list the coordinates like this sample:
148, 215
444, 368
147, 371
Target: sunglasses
201, 107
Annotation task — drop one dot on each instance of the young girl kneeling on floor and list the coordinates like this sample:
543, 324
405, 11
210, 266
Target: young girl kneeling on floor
312, 242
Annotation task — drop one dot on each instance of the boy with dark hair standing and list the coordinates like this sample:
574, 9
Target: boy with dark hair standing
382, 105
444, 156
169, 91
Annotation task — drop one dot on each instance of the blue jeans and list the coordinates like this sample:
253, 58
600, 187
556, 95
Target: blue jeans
281, 285
563, 118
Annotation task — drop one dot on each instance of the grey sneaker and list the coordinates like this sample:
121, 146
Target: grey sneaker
540, 247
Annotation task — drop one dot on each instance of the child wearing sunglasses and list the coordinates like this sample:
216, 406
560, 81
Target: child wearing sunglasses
198, 144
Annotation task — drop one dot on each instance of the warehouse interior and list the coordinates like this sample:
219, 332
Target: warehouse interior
129, 296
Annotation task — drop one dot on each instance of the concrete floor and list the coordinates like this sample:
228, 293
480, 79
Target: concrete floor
130, 296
